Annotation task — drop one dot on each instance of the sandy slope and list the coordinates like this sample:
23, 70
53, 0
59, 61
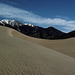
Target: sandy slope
65, 46
19, 57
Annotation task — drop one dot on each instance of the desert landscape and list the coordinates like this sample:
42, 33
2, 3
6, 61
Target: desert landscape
37, 37
65, 46
24, 55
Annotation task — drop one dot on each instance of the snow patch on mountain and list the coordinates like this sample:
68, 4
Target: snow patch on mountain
29, 24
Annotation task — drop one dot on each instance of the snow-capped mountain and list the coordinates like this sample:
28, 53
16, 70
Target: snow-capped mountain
11, 22
34, 31
14, 23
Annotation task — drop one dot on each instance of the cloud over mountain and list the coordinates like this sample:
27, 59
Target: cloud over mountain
11, 12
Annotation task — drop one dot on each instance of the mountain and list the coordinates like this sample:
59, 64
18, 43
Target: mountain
34, 31
71, 34
11, 23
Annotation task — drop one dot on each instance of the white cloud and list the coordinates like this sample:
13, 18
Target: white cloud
11, 12
62, 17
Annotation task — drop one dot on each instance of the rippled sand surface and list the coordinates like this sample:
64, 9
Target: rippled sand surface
21, 57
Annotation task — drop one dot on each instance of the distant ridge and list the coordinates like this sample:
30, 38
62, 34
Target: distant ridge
36, 31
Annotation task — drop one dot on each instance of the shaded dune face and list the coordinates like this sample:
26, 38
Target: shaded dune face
20, 57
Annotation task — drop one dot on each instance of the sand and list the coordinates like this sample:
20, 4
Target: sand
21, 57
65, 46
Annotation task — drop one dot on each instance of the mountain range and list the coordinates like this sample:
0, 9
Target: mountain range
36, 31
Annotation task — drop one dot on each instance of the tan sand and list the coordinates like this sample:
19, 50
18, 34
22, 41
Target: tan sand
65, 46
20, 57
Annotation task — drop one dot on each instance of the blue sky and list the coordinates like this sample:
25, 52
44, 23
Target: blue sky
44, 13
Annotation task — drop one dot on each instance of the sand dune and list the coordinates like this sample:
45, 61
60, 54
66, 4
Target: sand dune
65, 46
20, 57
